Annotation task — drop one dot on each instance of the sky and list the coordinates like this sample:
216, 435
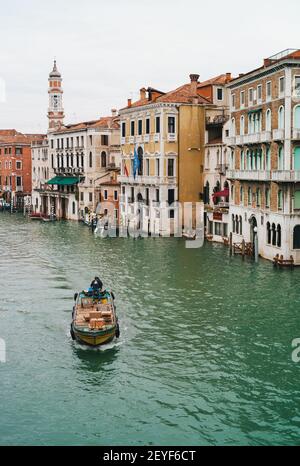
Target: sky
106, 50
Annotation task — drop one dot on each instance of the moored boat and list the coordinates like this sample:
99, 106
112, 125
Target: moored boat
94, 319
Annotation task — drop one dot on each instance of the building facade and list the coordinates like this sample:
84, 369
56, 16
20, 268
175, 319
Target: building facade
162, 145
15, 166
264, 144
77, 155
40, 171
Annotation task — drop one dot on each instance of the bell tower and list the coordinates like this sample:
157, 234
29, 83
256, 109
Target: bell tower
55, 110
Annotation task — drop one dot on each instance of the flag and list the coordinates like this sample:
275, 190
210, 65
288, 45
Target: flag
136, 163
126, 170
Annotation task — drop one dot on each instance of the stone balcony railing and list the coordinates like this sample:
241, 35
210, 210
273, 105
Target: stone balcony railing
147, 180
286, 176
296, 134
278, 134
251, 175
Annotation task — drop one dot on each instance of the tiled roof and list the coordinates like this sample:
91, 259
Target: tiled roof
12, 136
103, 122
222, 79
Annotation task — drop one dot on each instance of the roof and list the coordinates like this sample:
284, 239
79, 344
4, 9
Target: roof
221, 79
109, 122
12, 136
180, 95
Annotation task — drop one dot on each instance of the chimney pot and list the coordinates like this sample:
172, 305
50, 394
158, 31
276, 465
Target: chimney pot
194, 81
114, 112
142, 93
129, 102
194, 77
228, 76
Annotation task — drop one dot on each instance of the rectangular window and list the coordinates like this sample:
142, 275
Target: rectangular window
157, 167
91, 197
19, 151
104, 140
105, 194
269, 90
157, 124
259, 92
82, 141
81, 196
171, 124
123, 129
171, 196
19, 180
218, 229
132, 194
170, 167
147, 125
157, 195
116, 213
115, 195
233, 100
140, 127
91, 141
297, 86
219, 93
281, 85
52, 143
18, 165
68, 142
250, 95
132, 128
242, 98
147, 167
297, 200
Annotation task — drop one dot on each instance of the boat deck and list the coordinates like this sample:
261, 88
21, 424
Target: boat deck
94, 314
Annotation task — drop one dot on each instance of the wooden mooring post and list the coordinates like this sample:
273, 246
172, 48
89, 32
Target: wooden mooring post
230, 243
243, 249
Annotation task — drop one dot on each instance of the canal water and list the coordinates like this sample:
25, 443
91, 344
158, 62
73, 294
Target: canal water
204, 355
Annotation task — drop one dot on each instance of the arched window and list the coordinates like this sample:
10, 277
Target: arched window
297, 158
273, 234
233, 223
267, 195
140, 157
297, 117
280, 158
241, 225
280, 199
103, 159
232, 127
242, 125
258, 197
232, 161
242, 160
268, 233
268, 120
279, 236
248, 160
268, 158
296, 237
206, 193
249, 196
281, 118
241, 195
73, 208
232, 193
237, 224
90, 160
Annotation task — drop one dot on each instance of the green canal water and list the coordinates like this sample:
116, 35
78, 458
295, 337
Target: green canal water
205, 350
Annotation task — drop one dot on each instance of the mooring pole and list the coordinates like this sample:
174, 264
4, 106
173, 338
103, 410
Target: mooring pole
230, 243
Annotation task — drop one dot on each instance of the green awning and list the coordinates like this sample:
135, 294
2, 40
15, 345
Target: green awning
256, 110
64, 180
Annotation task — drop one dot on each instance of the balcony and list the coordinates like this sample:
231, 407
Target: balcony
286, 176
266, 136
156, 137
251, 175
278, 134
172, 137
146, 137
131, 139
138, 138
123, 141
252, 138
240, 140
221, 168
19, 189
296, 134
230, 141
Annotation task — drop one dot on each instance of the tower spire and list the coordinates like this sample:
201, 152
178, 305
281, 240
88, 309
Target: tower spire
55, 110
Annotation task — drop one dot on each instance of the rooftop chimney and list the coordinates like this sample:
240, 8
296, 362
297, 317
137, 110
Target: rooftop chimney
128, 102
113, 112
142, 93
194, 81
228, 77
267, 62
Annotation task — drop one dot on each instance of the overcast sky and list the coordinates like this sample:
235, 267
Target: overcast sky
107, 49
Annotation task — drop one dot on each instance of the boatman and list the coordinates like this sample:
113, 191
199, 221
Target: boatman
96, 285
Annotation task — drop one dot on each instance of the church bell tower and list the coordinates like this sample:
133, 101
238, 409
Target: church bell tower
55, 110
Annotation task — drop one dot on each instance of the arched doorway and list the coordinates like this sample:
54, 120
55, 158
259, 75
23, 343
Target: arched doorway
253, 231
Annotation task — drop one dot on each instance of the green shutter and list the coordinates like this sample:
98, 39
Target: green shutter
297, 200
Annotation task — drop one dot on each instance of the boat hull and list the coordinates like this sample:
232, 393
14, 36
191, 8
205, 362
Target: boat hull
94, 338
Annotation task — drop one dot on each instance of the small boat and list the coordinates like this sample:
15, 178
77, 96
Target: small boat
189, 234
36, 216
94, 319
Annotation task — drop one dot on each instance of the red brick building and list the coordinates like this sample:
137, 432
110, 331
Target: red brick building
15, 165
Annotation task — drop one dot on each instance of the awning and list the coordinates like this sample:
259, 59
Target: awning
64, 180
256, 110
224, 193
